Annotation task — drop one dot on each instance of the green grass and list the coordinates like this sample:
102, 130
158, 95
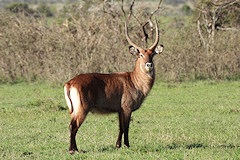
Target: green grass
198, 120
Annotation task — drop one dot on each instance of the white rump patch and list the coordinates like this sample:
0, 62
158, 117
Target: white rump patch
75, 100
67, 99
74, 95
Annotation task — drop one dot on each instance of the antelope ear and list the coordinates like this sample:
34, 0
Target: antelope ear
158, 49
134, 51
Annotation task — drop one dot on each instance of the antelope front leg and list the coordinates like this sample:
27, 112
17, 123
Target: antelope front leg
126, 122
119, 141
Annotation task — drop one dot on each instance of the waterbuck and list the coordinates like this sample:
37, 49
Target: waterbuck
120, 93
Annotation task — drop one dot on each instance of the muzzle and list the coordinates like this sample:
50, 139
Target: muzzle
149, 66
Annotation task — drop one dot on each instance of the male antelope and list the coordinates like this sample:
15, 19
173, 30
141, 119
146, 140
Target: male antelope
121, 92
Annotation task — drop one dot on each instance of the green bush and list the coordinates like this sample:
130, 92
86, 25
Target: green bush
44, 10
186, 10
19, 7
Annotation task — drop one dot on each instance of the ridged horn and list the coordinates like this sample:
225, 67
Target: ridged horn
156, 38
129, 40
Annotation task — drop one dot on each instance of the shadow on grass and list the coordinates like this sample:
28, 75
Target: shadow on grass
159, 148
107, 148
187, 146
200, 145
172, 146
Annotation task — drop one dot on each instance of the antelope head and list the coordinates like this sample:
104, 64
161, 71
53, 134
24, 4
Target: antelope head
145, 56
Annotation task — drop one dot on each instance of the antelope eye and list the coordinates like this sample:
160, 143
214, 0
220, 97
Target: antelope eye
141, 55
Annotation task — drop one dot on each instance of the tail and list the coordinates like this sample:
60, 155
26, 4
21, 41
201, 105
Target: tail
67, 97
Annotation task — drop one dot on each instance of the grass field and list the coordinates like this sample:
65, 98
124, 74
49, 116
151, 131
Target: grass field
199, 120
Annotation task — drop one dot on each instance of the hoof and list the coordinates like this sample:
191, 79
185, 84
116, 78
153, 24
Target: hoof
126, 146
73, 152
118, 145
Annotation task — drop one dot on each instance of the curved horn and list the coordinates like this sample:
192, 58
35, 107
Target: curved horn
128, 39
156, 39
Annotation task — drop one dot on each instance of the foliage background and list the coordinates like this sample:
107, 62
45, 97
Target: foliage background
85, 37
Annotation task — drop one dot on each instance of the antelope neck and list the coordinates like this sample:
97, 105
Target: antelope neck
141, 80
